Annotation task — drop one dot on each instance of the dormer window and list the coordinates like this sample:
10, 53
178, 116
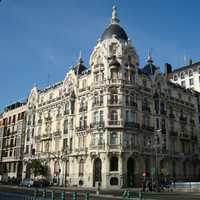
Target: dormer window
175, 77
190, 73
182, 75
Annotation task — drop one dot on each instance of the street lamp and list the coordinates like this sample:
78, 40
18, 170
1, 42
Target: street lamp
156, 145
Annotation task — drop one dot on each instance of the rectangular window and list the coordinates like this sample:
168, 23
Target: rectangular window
157, 123
191, 81
127, 116
183, 83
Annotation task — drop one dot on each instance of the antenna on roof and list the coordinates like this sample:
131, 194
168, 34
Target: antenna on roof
48, 79
80, 60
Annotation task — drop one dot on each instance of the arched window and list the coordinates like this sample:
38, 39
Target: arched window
182, 75
81, 167
114, 163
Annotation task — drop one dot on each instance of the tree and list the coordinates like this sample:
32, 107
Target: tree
37, 167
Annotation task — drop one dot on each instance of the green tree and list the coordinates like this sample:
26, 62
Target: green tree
37, 167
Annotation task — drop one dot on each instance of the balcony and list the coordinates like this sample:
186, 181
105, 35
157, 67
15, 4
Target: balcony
114, 146
82, 128
97, 146
115, 81
46, 136
184, 136
114, 102
83, 150
97, 104
115, 123
97, 125
132, 125
148, 128
57, 134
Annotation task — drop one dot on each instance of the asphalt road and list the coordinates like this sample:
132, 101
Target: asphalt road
19, 193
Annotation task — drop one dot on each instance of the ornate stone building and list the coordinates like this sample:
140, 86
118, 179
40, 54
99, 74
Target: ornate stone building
113, 122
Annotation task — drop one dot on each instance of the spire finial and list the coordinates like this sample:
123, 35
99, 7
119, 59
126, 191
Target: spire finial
115, 18
149, 57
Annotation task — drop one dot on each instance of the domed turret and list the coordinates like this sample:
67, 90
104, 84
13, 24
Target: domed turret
149, 68
114, 29
79, 67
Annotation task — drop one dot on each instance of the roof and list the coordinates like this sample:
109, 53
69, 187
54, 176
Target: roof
114, 29
186, 67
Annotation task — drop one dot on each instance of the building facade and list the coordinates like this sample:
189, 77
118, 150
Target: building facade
112, 123
187, 76
12, 132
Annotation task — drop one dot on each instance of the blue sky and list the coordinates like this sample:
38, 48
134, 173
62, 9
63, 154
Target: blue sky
43, 38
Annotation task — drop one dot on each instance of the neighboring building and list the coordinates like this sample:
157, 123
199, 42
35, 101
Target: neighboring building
113, 122
187, 76
110, 123
1, 144
12, 136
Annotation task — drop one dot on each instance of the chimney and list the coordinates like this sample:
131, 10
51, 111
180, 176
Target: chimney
168, 68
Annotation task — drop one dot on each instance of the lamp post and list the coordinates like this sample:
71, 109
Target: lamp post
156, 145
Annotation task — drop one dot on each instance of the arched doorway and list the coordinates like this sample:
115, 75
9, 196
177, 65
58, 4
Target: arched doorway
130, 172
97, 171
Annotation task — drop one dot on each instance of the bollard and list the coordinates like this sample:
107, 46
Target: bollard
52, 195
62, 196
124, 194
44, 193
141, 195
74, 195
87, 196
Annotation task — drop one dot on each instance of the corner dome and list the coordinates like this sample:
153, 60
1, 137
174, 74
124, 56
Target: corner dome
114, 29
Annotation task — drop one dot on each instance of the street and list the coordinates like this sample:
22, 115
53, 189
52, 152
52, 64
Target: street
17, 193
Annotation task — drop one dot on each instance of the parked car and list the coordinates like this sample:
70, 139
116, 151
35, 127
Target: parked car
41, 183
27, 182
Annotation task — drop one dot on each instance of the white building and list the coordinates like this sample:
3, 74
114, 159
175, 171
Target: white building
113, 121
187, 76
